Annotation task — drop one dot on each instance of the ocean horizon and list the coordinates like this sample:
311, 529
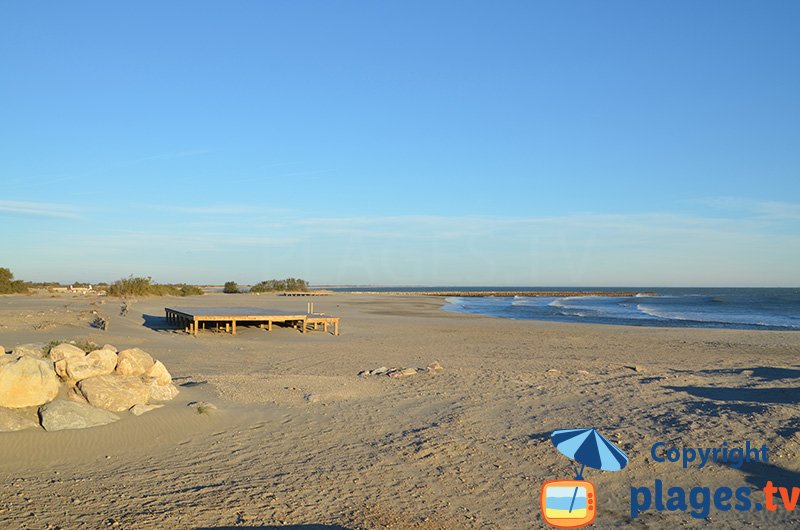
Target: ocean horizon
760, 308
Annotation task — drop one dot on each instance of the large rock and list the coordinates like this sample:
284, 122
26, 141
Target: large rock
61, 414
159, 392
2, 349
109, 347
159, 372
35, 349
115, 392
134, 361
66, 350
98, 362
5, 359
27, 382
18, 419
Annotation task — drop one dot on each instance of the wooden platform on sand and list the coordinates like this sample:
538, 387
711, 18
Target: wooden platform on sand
194, 319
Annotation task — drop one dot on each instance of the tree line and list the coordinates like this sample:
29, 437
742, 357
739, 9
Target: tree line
269, 286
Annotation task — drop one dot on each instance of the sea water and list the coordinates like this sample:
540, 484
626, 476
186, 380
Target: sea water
773, 309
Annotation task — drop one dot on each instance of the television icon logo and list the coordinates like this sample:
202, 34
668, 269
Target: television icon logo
568, 503
573, 503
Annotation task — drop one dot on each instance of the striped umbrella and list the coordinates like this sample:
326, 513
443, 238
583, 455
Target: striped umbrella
589, 448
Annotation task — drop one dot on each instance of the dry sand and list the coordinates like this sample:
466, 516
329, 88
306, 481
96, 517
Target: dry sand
300, 441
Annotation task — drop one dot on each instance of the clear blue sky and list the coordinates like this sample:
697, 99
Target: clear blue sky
430, 143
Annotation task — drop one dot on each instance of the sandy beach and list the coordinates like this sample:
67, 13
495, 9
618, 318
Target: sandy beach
300, 441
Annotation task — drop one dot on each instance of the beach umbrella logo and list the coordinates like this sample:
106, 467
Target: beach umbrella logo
573, 503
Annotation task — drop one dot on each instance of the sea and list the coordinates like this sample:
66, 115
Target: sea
734, 308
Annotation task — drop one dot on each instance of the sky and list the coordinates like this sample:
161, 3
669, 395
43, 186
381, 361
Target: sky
528, 143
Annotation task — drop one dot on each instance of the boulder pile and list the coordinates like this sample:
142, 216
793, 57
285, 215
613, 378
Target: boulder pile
64, 387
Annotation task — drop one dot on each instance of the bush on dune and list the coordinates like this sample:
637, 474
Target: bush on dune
140, 286
289, 284
8, 285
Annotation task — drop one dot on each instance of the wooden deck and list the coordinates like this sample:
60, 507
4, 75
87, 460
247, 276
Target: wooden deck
194, 319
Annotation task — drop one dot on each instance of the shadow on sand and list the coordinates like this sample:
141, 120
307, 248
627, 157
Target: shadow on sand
734, 397
763, 373
157, 323
746, 400
759, 473
778, 395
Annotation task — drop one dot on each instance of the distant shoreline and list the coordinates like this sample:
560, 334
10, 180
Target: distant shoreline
555, 294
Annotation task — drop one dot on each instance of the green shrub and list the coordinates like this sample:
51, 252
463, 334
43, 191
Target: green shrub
8, 285
230, 288
289, 284
184, 289
84, 344
140, 286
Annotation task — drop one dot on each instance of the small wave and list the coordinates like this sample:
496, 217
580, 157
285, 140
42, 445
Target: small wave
531, 301
749, 311
653, 312
580, 314
576, 301
716, 318
454, 300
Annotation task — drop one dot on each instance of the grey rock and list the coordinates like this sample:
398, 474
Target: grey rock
60, 415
